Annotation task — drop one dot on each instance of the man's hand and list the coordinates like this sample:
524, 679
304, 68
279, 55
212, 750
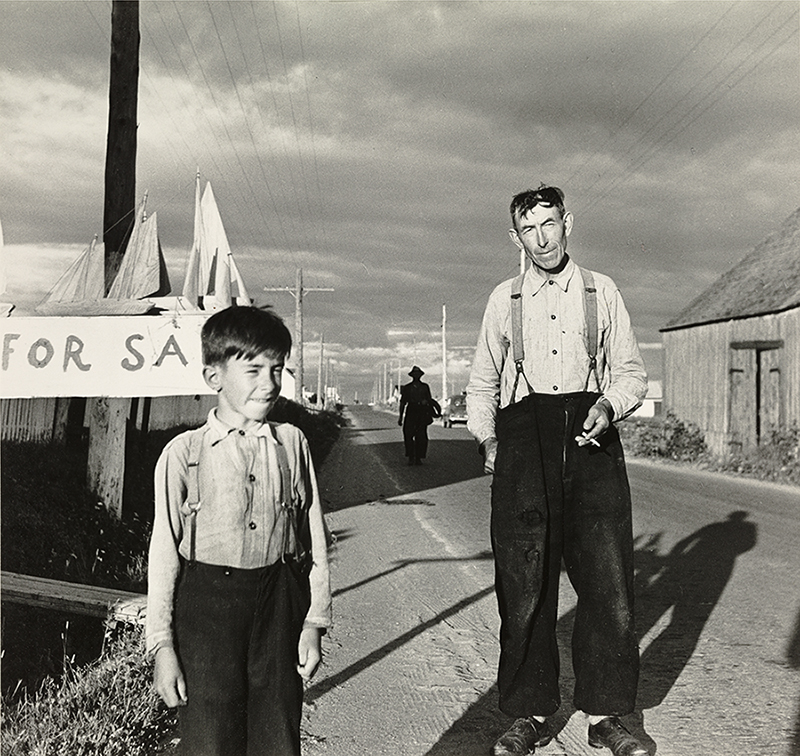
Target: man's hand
309, 652
168, 678
489, 450
597, 421
400, 420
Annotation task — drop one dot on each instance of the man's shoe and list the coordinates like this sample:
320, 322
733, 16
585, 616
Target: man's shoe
522, 738
611, 733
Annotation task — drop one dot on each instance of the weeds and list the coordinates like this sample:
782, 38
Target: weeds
668, 438
106, 708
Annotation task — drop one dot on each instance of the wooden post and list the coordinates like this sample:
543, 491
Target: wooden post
106, 465
108, 418
120, 175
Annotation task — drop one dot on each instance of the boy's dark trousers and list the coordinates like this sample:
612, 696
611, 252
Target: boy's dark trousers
552, 498
236, 634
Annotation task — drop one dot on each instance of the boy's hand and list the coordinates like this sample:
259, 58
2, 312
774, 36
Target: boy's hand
309, 652
168, 678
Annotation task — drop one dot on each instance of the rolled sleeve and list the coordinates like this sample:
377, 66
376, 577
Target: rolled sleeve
319, 613
483, 387
163, 558
627, 378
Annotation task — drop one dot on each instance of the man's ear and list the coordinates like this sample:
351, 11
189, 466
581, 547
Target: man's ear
211, 377
514, 236
567, 223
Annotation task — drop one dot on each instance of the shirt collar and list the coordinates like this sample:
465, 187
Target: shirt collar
536, 278
220, 430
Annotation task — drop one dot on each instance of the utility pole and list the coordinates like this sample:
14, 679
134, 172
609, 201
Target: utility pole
320, 397
108, 416
297, 292
444, 354
120, 174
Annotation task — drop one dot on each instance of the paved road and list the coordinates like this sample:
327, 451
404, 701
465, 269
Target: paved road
410, 664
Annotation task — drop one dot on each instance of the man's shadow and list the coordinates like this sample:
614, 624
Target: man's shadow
687, 582
793, 658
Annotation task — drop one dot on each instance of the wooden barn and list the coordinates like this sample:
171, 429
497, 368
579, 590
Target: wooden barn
732, 357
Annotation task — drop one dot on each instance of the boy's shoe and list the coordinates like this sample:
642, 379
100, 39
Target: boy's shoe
612, 734
522, 738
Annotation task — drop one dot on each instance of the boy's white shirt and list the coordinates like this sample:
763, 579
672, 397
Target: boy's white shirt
241, 549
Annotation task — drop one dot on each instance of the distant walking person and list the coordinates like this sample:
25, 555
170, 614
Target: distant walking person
560, 336
417, 410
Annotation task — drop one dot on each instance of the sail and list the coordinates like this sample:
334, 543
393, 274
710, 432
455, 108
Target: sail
213, 238
192, 286
83, 280
143, 272
222, 278
242, 297
5, 307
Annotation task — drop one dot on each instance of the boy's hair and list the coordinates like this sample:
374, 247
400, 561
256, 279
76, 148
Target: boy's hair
549, 196
244, 332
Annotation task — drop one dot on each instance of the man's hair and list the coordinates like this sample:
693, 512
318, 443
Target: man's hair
549, 196
244, 332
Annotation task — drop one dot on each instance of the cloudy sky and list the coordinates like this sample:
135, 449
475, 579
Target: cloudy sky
376, 145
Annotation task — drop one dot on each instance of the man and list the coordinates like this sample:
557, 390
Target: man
541, 405
416, 412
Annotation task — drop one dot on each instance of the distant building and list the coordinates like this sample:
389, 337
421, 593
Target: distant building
732, 357
651, 406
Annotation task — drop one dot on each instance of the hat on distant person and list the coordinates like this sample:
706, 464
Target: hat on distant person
416, 371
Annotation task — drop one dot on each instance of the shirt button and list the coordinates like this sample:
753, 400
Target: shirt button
555, 388
555, 351
241, 432
252, 478
551, 282
552, 317
252, 526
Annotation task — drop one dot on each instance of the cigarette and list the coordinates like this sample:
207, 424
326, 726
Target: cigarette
583, 437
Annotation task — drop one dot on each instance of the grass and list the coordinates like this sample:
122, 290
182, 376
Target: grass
105, 708
68, 689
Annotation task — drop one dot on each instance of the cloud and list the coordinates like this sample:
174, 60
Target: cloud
376, 146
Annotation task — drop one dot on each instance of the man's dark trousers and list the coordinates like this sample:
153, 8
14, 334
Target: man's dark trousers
553, 499
415, 431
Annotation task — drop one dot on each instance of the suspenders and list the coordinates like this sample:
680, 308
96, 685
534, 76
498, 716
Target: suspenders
590, 308
289, 507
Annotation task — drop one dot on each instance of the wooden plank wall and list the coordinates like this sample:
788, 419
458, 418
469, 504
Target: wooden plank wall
33, 419
27, 419
168, 411
697, 362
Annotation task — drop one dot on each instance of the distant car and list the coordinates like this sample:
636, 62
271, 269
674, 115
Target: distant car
454, 410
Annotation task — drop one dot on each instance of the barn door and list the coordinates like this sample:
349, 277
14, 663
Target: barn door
743, 415
769, 409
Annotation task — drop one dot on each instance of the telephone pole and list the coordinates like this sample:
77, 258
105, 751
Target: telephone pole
320, 397
444, 354
297, 292
120, 171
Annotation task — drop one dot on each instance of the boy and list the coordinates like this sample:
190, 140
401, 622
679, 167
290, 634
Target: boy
238, 586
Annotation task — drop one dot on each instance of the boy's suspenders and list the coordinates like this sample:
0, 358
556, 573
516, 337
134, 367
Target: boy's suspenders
193, 490
590, 308
289, 508
288, 505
